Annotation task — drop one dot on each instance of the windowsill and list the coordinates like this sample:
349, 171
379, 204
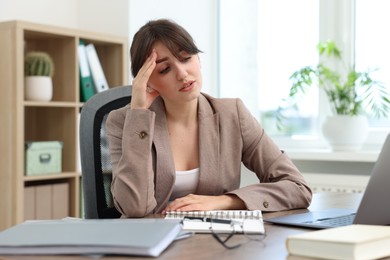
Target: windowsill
315, 148
329, 155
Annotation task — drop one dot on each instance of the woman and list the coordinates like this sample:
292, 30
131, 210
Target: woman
175, 148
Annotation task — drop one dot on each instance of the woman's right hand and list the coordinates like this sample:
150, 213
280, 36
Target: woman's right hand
142, 95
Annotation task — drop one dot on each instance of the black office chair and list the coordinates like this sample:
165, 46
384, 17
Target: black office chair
94, 152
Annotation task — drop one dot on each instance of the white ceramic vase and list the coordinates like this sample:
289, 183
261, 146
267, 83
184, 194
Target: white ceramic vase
345, 133
38, 88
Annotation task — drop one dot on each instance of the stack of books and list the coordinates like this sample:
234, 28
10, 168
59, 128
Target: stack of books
355, 242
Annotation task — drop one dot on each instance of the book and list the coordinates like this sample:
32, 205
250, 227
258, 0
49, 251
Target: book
99, 79
87, 88
221, 221
143, 237
356, 242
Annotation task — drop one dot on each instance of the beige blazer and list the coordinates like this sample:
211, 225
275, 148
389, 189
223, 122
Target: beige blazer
143, 166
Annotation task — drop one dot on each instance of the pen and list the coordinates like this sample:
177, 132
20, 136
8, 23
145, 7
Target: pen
212, 220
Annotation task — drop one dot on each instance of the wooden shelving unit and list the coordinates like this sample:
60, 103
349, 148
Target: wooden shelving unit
23, 121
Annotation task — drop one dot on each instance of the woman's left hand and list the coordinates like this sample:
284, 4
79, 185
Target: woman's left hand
194, 202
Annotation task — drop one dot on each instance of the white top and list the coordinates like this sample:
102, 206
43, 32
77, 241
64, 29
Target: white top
186, 183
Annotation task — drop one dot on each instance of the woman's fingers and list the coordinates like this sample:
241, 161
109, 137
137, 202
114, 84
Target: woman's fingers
147, 69
193, 202
142, 96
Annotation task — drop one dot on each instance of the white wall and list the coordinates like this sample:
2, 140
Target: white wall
238, 51
58, 12
104, 16
124, 17
93, 15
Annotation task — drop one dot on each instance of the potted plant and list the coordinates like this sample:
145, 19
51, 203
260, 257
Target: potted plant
352, 96
39, 70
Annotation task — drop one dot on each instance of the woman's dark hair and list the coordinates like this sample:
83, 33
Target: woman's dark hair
169, 33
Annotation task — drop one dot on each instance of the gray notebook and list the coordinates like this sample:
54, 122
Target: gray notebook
373, 209
146, 237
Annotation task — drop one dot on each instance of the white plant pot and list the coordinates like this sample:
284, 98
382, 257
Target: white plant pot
38, 88
345, 133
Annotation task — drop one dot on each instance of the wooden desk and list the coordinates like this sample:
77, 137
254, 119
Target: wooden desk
204, 246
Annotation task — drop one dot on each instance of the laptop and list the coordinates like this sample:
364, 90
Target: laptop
374, 208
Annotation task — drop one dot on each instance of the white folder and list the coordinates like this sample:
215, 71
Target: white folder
143, 237
99, 79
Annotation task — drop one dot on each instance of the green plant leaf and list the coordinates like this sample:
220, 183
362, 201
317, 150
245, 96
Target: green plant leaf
349, 92
329, 48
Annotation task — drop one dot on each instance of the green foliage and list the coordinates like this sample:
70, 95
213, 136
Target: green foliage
349, 92
38, 64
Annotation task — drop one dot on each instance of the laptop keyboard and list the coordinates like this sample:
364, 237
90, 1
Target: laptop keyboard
336, 221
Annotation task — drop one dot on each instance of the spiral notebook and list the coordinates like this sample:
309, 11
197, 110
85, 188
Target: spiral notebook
222, 221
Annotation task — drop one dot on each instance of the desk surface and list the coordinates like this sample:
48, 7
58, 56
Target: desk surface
204, 246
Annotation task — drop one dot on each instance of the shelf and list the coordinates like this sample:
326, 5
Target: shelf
64, 175
51, 104
56, 120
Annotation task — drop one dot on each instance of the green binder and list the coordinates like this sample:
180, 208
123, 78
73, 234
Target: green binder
87, 88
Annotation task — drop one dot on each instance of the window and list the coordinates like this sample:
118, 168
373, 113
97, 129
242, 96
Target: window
288, 34
266, 41
372, 45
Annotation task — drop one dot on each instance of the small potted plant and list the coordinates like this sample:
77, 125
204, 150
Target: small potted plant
39, 70
352, 96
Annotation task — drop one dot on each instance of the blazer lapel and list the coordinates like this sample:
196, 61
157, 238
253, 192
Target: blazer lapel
165, 167
209, 146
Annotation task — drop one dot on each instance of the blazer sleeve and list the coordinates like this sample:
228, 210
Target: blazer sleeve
281, 185
130, 135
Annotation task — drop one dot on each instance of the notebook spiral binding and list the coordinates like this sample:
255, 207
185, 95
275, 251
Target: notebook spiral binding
217, 214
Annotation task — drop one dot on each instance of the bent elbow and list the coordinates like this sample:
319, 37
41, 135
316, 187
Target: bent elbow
133, 209
307, 196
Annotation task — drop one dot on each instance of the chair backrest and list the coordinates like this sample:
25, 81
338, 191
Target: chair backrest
94, 152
